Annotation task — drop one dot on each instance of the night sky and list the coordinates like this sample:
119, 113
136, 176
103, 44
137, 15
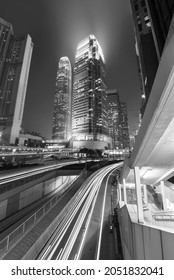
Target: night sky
56, 27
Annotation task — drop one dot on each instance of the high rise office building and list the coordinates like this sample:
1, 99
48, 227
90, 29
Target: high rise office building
15, 58
151, 24
114, 118
145, 48
160, 13
125, 139
90, 122
117, 121
61, 129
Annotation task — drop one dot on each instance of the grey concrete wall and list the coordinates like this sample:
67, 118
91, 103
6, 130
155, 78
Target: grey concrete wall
144, 242
22, 196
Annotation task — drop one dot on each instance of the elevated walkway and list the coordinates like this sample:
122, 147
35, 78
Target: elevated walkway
147, 219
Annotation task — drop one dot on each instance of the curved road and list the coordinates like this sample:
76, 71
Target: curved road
83, 232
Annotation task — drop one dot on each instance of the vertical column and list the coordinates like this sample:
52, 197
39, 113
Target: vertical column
124, 191
145, 194
139, 194
119, 189
163, 195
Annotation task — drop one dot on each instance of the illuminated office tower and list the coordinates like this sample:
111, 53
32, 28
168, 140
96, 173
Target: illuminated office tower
114, 118
15, 58
61, 130
117, 121
6, 30
124, 139
151, 24
90, 123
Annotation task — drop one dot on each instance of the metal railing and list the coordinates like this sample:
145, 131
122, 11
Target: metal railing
9, 241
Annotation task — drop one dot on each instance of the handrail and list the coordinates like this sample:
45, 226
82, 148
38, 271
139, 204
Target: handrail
10, 240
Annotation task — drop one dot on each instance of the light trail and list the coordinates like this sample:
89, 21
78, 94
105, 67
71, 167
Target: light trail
104, 173
102, 218
24, 174
85, 199
76, 229
78, 255
73, 206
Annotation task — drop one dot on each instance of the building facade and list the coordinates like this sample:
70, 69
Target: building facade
160, 13
61, 129
151, 24
90, 114
117, 121
125, 139
114, 118
15, 58
145, 49
29, 138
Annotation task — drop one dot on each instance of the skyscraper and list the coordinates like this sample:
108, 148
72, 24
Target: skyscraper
117, 121
114, 118
145, 48
62, 102
125, 140
15, 58
151, 24
160, 13
90, 123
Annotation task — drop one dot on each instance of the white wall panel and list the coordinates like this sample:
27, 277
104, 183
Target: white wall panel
168, 245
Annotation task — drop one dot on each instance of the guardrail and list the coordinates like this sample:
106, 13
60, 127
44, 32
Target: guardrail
165, 215
9, 241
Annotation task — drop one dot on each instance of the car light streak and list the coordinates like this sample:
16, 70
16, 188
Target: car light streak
45, 253
72, 208
24, 174
86, 229
78, 255
102, 217
85, 198
59, 254
104, 172
76, 229
72, 214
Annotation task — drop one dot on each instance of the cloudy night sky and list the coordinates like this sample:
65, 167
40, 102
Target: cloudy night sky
56, 27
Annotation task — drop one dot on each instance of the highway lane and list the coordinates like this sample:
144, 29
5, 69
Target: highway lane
66, 218
23, 174
79, 234
107, 244
93, 239
99, 223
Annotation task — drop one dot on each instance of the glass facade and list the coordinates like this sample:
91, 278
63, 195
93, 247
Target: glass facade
90, 113
5, 34
145, 48
117, 121
62, 102
161, 13
125, 139
15, 57
151, 24
114, 118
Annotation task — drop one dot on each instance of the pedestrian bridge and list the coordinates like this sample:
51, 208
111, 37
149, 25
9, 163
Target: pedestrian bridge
146, 191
